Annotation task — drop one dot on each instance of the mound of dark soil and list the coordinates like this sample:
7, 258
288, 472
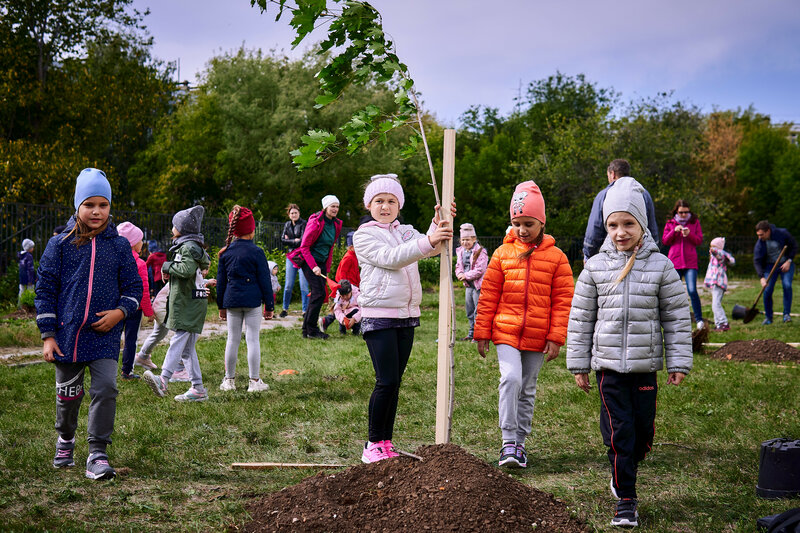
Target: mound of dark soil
761, 351
450, 490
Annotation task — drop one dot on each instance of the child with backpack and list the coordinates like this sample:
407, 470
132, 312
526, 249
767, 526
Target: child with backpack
187, 305
390, 296
523, 310
88, 283
625, 296
243, 284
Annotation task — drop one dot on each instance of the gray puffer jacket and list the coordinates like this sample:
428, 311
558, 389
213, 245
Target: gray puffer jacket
619, 327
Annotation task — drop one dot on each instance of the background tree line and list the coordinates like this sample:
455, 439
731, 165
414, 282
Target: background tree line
79, 87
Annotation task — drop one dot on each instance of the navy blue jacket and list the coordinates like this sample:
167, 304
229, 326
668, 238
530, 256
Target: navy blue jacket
596, 228
243, 277
27, 275
783, 238
76, 282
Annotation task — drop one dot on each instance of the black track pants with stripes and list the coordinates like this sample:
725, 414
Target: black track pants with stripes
627, 417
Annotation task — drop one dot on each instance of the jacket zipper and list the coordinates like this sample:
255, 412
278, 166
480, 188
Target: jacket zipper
88, 302
525, 303
625, 297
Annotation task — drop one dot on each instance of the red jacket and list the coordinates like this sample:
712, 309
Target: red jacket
141, 266
683, 250
525, 303
348, 269
155, 260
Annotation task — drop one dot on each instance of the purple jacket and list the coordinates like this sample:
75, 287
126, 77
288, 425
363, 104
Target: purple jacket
477, 267
313, 230
683, 250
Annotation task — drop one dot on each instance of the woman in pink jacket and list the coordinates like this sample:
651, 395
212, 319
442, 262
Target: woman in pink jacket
683, 235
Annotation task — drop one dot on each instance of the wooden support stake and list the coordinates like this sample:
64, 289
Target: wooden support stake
445, 296
266, 466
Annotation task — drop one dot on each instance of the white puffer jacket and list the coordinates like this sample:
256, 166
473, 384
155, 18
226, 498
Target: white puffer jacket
387, 255
620, 327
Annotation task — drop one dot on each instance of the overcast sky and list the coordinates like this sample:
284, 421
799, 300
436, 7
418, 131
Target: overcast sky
726, 54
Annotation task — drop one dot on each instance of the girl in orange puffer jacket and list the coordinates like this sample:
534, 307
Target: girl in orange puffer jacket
524, 310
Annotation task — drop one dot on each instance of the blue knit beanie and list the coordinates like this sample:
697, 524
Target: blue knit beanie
91, 182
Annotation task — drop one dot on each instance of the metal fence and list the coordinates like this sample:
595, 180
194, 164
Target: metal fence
27, 221
36, 222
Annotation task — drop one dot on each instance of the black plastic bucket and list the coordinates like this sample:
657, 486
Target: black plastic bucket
739, 312
779, 469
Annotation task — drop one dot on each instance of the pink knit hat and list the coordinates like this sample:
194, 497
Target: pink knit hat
130, 232
718, 243
384, 183
528, 202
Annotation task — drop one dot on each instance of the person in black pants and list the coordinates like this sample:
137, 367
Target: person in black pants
314, 256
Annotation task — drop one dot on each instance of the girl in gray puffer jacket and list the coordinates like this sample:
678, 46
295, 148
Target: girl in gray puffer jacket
629, 312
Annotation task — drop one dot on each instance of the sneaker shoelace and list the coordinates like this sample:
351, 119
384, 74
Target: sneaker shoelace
509, 449
63, 452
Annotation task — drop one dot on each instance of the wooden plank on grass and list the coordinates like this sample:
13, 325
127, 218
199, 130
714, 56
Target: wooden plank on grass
267, 466
721, 344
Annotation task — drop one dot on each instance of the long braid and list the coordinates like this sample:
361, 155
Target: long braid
231, 225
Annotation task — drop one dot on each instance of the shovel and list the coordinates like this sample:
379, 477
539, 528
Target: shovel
747, 315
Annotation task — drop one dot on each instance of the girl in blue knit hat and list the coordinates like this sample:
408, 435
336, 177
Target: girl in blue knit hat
88, 283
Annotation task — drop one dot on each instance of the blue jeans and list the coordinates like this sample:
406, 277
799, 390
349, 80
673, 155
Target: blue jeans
690, 274
288, 286
786, 283
131, 333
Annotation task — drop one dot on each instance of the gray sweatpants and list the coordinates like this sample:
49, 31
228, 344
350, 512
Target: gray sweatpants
103, 407
472, 296
250, 317
716, 305
157, 335
518, 374
182, 347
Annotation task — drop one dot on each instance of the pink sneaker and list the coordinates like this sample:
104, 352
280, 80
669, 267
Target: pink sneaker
373, 452
389, 447
180, 375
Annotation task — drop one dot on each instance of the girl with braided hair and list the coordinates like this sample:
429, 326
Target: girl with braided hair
243, 284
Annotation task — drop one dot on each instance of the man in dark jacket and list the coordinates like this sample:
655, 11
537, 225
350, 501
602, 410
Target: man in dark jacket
771, 241
595, 228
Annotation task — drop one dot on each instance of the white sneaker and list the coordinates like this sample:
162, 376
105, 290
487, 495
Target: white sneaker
144, 361
227, 384
257, 386
700, 324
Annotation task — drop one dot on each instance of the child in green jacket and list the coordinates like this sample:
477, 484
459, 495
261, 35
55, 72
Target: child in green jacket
186, 307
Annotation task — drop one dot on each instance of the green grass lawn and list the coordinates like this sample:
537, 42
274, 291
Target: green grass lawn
174, 459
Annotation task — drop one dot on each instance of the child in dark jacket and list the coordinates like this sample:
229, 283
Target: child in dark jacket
243, 283
87, 285
27, 274
186, 307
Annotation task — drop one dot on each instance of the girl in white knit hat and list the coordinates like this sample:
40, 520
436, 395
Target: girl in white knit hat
472, 260
388, 252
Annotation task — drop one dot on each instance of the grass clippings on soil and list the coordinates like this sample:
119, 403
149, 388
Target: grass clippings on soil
450, 490
758, 351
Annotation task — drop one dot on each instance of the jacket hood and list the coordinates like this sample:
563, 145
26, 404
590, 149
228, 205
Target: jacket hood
648, 247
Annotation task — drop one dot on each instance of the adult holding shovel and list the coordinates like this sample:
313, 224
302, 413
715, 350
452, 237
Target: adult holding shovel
775, 247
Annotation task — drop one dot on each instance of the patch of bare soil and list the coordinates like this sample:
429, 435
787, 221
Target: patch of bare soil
25, 312
760, 351
451, 490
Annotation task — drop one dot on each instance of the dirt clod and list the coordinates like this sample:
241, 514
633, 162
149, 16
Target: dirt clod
450, 490
759, 351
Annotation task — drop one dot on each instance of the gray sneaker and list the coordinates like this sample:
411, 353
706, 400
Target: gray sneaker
156, 383
97, 467
64, 451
